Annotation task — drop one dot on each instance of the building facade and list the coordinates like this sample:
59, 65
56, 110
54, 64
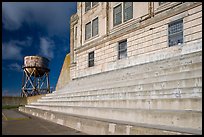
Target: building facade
107, 36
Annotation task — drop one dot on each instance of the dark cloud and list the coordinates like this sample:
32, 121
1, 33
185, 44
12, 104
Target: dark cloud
46, 47
12, 50
53, 16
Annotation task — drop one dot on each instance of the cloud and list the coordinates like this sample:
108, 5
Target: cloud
12, 50
46, 47
15, 67
54, 16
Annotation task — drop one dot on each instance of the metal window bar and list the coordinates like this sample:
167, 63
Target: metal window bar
91, 59
175, 33
122, 49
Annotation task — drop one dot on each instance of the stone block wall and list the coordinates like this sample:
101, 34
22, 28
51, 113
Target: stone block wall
147, 39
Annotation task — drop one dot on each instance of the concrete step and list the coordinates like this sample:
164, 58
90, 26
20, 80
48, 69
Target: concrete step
139, 78
131, 76
177, 118
131, 87
156, 68
156, 74
184, 60
171, 104
154, 94
100, 126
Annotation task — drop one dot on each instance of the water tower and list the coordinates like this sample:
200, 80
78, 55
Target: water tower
35, 76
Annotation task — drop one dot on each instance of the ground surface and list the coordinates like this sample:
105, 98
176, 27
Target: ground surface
18, 123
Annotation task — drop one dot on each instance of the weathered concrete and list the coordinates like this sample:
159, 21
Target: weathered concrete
32, 99
13, 101
91, 125
166, 92
64, 76
157, 89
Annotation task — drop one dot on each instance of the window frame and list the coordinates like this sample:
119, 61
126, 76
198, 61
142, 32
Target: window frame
93, 5
176, 34
90, 60
122, 50
124, 20
86, 35
161, 3
114, 15
86, 8
93, 27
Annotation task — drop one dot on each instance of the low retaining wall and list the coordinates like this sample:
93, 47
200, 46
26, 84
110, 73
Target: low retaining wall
19, 101
13, 101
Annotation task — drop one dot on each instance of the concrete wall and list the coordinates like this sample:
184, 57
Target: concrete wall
145, 36
64, 77
13, 101
16, 101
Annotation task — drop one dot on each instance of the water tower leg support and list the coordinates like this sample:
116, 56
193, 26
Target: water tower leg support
48, 83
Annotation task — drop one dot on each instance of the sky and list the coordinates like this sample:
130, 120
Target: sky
29, 29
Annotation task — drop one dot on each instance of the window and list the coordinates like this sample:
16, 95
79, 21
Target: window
175, 32
128, 11
91, 29
94, 3
89, 5
122, 49
95, 27
160, 3
117, 15
91, 59
88, 31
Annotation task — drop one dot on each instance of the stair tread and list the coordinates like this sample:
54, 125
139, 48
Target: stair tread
162, 127
131, 109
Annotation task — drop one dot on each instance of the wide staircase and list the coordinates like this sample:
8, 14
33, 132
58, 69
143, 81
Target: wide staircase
161, 97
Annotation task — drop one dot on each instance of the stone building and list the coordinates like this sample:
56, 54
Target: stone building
136, 68
114, 35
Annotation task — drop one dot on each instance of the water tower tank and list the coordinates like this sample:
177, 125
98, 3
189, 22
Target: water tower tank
36, 65
35, 76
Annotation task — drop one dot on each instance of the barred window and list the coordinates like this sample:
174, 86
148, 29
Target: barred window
87, 6
175, 32
88, 31
91, 59
128, 11
94, 3
95, 27
122, 49
117, 15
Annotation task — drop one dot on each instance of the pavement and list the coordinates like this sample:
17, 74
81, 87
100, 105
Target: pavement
15, 122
